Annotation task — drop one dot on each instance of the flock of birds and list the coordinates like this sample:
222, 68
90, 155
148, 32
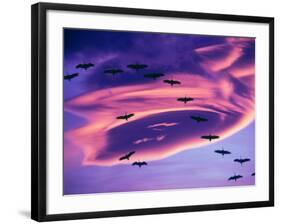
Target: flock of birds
172, 82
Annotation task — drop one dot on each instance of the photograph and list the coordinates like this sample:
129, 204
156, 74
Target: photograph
148, 111
152, 111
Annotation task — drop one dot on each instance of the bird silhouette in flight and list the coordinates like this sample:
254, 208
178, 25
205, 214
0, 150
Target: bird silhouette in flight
172, 82
222, 152
139, 164
125, 117
241, 161
198, 119
153, 76
113, 71
127, 156
185, 99
235, 177
137, 66
210, 137
85, 66
71, 76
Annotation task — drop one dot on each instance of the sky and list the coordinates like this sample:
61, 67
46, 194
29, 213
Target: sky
217, 72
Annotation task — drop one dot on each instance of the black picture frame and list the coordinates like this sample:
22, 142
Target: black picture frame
38, 116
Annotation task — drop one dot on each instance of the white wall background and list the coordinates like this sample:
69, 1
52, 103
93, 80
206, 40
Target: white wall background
15, 110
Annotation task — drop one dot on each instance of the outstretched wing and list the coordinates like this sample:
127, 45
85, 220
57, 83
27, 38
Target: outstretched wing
135, 163
181, 99
203, 119
123, 157
231, 178
237, 160
79, 66
74, 75
176, 82
90, 65
120, 117
214, 136
130, 115
245, 160
195, 118
130, 153
143, 163
167, 81
206, 137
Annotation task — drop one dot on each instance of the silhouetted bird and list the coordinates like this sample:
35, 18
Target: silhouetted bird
210, 137
222, 152
125, 117
71, 76
241, 161
235, 177
198, 118
172, 82
85, 65
253, 174
137, 66
140, 164
185, 99
153, 75
127, 156
113, 71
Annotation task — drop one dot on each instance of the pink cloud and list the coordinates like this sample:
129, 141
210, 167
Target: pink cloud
164, 124
143, 140
92, 138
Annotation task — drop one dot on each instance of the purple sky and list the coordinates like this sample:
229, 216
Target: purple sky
218, 72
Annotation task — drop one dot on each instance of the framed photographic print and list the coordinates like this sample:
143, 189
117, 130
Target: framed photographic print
138, 111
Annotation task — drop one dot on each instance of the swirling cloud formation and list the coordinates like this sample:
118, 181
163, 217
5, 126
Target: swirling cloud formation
222, 85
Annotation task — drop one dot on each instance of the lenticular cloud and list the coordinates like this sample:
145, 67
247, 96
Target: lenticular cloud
162, 126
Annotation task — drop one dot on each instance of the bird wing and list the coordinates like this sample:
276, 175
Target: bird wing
237, 160
194, 118
246, 160
135, 163
143, 163
122, 158
120, 117
130, 115
131, 153
78, 66
167, 81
